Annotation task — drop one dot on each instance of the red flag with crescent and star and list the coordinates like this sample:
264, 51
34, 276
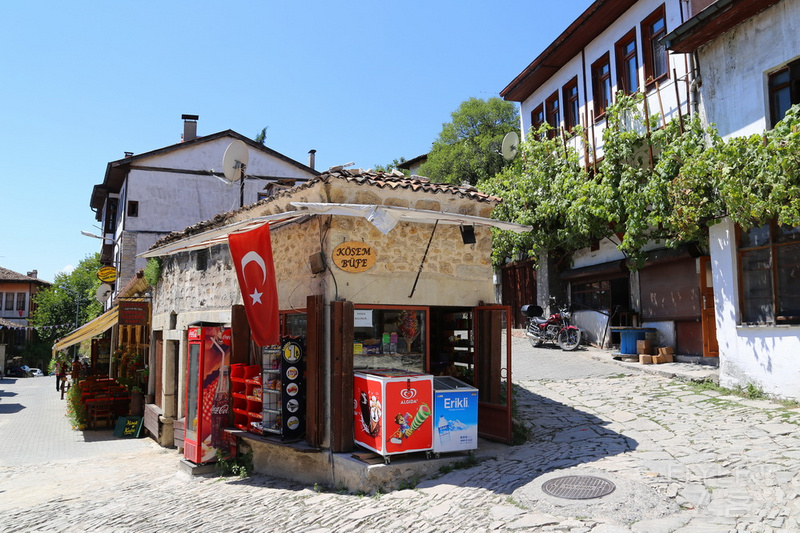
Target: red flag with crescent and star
252, 256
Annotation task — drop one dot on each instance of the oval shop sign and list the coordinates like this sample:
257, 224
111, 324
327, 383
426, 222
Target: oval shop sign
354, 256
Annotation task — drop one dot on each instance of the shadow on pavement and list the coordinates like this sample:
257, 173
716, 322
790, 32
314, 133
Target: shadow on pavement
561, 437
10, 408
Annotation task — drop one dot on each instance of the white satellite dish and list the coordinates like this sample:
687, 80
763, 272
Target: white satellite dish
103, 292
510, 145
234, 162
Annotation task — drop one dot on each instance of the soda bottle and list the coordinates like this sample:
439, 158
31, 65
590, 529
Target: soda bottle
219, 409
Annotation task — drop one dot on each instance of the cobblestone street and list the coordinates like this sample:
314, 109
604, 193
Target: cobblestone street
681, 459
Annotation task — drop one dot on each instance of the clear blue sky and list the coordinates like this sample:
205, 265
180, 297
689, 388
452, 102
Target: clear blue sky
83, 82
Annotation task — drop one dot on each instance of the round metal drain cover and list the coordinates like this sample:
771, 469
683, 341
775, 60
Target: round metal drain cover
578, 487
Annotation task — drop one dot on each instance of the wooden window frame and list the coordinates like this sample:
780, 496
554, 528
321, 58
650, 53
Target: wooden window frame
624, 58
773, 87
772, 246
649, 40
569, 93
552, 114
599, 81
537, 117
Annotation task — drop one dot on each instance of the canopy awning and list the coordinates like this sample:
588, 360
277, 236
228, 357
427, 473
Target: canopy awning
90, 329
382, 217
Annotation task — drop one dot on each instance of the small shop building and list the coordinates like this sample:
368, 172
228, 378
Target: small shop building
374, 271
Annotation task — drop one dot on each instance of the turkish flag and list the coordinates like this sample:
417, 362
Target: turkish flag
252, 256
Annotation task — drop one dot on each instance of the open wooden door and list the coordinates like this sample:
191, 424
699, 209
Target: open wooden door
493, 371
707, 312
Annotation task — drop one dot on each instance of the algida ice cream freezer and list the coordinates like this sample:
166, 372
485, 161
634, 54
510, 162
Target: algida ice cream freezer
392, 411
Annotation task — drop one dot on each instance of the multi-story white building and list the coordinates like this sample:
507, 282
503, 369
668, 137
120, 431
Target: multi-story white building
616, 46
748, 55
146, 196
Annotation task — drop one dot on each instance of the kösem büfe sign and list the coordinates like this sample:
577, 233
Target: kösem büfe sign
354, 256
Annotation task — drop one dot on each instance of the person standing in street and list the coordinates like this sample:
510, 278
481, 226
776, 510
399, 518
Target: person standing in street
61, 374
76, 370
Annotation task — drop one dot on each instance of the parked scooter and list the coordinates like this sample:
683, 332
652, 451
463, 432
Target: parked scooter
556, 328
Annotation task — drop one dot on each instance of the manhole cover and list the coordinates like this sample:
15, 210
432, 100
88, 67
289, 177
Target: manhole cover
578, 487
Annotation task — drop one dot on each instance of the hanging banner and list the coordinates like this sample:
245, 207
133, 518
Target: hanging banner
133, 313
252, 256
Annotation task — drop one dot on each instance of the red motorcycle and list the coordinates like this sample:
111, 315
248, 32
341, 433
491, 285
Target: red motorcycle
556, 329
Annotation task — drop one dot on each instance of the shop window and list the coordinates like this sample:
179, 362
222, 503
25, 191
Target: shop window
769, 274
627, 63
601, 85
294, 323
537, 117
390, 337
784, 91
654, 28
571, 107
553, 114
600, 295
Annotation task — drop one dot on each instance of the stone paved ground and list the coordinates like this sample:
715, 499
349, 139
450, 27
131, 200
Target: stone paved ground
682, 459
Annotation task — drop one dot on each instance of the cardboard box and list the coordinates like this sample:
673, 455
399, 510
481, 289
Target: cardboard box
668, 350
657, 359
667, 358
645, 359
644, 347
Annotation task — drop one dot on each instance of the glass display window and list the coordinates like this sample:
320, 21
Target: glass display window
390, 337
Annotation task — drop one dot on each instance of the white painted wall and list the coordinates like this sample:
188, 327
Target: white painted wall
603, 43
766, 356
735, 68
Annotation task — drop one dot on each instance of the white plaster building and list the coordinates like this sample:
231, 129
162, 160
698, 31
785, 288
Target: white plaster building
617, 46
747, 52
146, 196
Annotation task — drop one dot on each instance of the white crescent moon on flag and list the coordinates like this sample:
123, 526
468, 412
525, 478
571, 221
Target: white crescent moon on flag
252, 257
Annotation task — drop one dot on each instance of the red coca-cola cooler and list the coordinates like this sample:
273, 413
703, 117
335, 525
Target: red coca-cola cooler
207, 392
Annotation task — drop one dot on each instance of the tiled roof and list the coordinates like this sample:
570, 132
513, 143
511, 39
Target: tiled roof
367, 178
10, 275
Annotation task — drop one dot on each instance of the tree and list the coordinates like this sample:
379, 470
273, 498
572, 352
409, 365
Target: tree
392, 166
261, 138
70, 298
468, 148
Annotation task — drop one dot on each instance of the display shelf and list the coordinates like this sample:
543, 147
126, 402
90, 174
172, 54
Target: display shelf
246, 391
283, 391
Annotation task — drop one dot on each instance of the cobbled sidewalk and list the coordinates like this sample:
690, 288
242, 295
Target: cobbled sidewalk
682, 459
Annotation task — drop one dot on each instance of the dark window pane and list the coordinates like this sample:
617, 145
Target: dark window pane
789, 283
787, 233
758, 236
757, 287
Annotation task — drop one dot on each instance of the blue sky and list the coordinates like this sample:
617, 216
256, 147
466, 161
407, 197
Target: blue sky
368, 82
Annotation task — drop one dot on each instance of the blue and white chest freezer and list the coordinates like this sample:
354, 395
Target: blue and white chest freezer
455, 411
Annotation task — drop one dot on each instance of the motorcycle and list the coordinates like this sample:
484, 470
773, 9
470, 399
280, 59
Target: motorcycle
556, 328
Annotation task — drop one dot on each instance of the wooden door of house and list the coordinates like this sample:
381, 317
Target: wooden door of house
493, 371
708, 313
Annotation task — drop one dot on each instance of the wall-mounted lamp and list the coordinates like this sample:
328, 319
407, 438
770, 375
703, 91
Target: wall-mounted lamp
467, 234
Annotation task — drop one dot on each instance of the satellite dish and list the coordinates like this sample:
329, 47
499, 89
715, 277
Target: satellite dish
103, 292
510, 145
234, 161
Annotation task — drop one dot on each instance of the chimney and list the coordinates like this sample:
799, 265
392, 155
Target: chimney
189, 127
128, 154
33, 274
311, 158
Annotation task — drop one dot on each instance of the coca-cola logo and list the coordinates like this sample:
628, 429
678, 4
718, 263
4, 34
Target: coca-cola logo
219, 410
226, 337
408, 394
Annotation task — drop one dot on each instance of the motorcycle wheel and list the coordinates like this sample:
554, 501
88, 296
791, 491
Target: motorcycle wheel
569, 339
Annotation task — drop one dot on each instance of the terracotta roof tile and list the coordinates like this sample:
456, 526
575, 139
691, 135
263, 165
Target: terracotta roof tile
392, 180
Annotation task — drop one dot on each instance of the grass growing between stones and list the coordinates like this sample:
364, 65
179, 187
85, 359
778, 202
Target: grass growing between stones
750, 392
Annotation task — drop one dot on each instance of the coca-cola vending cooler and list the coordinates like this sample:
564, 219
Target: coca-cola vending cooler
207, 392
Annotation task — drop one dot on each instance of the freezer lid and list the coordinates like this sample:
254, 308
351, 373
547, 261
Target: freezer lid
390, 373
449, 383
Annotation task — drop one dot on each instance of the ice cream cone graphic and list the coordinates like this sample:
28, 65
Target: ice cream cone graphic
422, 415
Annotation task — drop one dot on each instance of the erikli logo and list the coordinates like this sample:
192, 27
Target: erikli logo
408, 394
